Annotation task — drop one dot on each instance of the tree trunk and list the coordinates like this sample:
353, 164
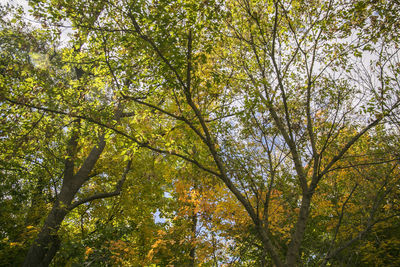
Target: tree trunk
292, 255
47, 243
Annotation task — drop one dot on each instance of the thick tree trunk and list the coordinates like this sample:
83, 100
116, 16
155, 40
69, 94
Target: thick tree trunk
45, 246
293, 253
46, 239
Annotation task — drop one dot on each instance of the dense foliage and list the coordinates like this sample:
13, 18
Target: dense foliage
200, 133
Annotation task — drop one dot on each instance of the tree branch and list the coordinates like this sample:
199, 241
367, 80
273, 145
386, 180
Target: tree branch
132, 138
116, 192
154, 46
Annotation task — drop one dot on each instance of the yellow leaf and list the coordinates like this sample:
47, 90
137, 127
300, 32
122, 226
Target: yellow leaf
88, 251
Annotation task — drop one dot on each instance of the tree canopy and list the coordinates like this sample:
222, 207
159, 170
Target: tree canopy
200, 133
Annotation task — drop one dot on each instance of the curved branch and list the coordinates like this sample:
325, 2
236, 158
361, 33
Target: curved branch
116, 192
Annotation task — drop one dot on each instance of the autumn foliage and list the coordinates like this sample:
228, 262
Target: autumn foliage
199, 133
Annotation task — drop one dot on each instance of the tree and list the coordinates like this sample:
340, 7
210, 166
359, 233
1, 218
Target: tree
296, 73
55, 93
270, 98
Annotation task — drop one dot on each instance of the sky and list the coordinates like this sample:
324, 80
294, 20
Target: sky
66, 31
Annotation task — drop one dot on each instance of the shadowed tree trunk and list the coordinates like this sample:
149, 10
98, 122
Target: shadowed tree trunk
46, 244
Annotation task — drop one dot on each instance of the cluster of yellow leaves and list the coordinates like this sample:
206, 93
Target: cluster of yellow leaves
30, 232
164, 244
195, 200
122, 252
382, 254
88, 251
278, 215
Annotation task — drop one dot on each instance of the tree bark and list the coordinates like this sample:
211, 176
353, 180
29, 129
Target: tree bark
46, 244
293, 253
